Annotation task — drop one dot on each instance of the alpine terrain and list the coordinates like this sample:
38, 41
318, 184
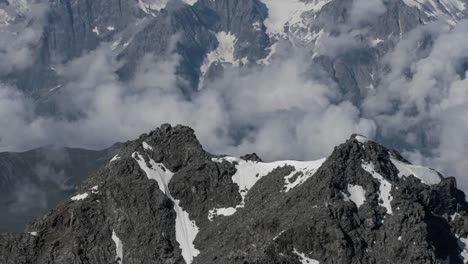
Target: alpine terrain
330, 81
212, 35
164, 199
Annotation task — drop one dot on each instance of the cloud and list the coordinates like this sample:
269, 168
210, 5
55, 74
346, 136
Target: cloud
288, 109
364, 11
242, 112
284, 103
19, 40
337, 38
50, 168
28, 197
423, 100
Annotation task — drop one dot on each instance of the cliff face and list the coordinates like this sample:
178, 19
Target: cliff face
163, 199
214, 35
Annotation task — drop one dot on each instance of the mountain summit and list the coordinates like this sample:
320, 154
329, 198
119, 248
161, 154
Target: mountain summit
164, 199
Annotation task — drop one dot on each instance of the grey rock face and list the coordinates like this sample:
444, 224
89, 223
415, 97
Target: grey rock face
356, 70
400, 219
33, 182
238, 17
194, 28
72, 28
178, 25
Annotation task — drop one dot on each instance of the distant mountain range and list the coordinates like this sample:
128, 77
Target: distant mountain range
217, 34
33, 182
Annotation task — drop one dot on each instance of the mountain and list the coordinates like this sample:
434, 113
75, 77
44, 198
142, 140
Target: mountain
67, 58
35, 181
164, 199
214, 35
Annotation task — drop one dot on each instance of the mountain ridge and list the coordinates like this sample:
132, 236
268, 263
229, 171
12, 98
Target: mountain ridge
34, 181
72, 29
354, 206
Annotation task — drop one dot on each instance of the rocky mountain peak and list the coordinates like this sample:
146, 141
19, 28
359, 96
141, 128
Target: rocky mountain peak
175, 147
163, 199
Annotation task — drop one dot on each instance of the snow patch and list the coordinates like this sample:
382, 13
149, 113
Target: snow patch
96, 30
20, 6
257, 26
426, 175
94, 189
357, 194
376, 42
304, 170
361, 139
384, 188
304, 259
149, 6
34, 233
249, 172
279, 234
221, 211
80, 197
223, 54
147, 146
463, 245
186, 230
454, 216
111, 28
116, 157
284, 13
55, 88
118, 248
4, 18
115, 44
451, 10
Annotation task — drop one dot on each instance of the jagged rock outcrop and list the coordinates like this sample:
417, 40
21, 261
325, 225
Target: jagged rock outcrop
164, 199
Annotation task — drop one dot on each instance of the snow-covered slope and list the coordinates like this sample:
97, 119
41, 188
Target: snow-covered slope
291, 18
426, 175
288, 13
250, 172
186, 229
150, 6
223, 55
11, 10
451, 10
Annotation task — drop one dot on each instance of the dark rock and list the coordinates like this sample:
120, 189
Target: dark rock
315, 218
252, 157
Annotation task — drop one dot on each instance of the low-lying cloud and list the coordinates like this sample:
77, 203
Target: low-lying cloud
258, 110
19, 40
423, 100
288, 109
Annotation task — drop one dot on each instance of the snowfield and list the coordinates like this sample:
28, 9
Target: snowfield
186, 230
427, 175
384, 189
250, 172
